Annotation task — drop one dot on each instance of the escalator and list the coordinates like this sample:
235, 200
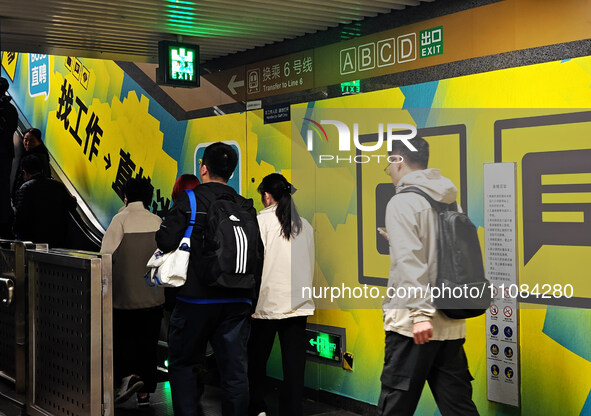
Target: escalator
84, 232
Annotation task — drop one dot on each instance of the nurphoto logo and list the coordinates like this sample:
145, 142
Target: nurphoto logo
393, 131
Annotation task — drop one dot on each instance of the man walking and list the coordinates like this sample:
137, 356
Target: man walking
206, 311
422, 344
137, 308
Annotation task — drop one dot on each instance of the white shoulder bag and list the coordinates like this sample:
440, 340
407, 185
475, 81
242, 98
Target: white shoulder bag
170, 269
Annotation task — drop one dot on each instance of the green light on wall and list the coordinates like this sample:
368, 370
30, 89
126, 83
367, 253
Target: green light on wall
351, 87
324, 345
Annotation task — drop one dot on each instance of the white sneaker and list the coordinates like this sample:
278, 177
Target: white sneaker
129, 385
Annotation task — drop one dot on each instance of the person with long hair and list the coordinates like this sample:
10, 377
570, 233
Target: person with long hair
288, 267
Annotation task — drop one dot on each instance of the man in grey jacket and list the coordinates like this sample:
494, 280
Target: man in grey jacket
422, 344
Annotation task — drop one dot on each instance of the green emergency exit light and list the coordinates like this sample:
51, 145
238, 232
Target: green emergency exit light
351, 87
323, 345
179, 64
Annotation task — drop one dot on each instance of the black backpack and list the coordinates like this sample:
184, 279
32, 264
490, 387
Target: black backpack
459, 262
231, 254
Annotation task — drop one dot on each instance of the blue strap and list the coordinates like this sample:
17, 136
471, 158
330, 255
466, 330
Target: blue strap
193, 203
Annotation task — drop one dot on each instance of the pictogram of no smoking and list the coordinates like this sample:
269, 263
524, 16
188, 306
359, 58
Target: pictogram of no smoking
494, 309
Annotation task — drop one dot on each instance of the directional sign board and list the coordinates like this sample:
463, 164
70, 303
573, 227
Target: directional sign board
286, 74
230, 81
324, 345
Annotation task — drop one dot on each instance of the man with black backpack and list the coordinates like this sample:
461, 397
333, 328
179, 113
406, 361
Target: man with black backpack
223, 279
422, 343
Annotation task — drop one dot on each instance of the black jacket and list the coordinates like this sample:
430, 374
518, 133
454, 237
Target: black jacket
42, 207
42, 153
8, 124
172, 230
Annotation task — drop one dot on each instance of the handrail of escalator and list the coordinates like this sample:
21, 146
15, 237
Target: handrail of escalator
86, 230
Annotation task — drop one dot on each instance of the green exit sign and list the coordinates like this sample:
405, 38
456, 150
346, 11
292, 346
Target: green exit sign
179, 64
323, 345
431, 42
351, 87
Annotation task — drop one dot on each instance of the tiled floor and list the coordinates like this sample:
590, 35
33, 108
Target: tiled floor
161, 405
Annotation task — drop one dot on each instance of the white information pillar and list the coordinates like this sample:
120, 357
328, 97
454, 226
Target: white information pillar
500, 241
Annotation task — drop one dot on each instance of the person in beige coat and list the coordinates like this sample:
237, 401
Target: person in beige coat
282, 308
137, 308
422, 344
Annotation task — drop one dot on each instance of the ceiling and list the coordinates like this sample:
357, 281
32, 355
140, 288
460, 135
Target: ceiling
129, 30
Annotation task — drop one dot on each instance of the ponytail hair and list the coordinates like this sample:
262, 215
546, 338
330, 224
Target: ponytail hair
277, 186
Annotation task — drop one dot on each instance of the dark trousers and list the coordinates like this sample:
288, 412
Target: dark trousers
135, 342
292, 338
407, 366
6, 214
227, 327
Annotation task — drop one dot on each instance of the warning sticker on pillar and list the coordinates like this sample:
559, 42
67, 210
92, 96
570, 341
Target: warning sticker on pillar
501, 270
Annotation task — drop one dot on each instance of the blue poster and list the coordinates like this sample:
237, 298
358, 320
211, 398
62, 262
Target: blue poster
39, 75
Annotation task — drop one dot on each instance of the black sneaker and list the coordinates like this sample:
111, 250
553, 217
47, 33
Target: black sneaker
129, 385
143, 401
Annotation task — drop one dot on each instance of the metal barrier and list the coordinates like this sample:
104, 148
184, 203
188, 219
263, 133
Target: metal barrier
69, 359
13, 312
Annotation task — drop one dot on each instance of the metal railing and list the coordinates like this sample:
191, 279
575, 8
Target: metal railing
63, 360
13, 312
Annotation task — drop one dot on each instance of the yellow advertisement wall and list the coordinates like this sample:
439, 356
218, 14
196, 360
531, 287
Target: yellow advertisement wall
98, 126
555, 342
503, 116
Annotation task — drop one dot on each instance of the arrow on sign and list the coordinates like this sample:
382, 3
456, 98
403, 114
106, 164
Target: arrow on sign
313, 342
234, 84
107, 160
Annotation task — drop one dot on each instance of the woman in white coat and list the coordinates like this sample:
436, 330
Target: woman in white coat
288, 269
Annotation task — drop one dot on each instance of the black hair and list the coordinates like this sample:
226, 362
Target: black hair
221, 160
277, 186
3, 85
139, 189
35, 132
32, 164
418, 159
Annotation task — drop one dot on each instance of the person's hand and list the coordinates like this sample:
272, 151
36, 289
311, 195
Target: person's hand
383, 234
422, 332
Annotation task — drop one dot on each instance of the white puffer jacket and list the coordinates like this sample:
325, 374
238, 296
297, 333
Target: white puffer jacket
287, 269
